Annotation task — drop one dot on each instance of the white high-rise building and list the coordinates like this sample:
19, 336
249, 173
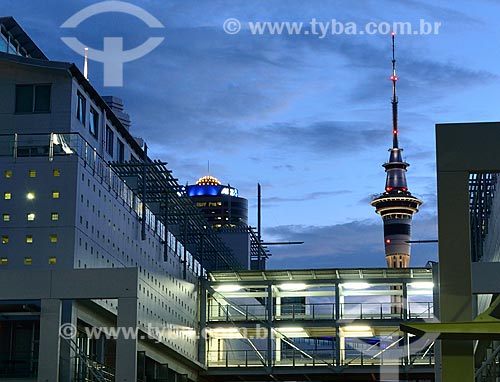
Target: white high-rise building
69, 200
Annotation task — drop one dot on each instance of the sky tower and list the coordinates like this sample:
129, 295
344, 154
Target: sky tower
396, 204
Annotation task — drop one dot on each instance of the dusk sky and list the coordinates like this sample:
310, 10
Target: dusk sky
307, 117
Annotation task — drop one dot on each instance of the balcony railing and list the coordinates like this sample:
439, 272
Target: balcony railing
317, 311
317, 358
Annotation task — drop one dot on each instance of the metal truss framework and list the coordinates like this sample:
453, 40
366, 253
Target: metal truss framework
258, 251
482, 187
154, 184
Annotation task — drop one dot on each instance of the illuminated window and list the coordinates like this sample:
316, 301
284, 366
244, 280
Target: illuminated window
30, 195
53, 238
6, 217
29, 239
31, 216
28, 261
56, 172
7, 195
8, 173
32, 173
54, 216
5, 239
55, 194
52, 260
4, 261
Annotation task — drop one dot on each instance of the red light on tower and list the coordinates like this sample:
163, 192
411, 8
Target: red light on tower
395, 131
387, 241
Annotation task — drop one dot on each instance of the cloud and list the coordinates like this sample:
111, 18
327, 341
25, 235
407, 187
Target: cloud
354, 244
310, 196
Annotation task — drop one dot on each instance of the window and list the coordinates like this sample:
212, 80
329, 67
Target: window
5, 239
56, 172
32, 98
121, 151
54, 216
109, 140
6, 217
7, 195
55, 194
29, 239
80, 107
4, 261
28, 261
52, 260
8, 173
32, 173
53, 238
31, 216
94, 123
30, 195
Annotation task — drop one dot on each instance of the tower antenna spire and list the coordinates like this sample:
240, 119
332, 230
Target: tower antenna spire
394, 79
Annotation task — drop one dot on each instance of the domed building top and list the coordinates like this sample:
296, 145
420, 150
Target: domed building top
208, 181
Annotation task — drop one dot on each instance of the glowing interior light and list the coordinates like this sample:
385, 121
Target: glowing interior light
355, 285
30, 195
293, 286
227, 288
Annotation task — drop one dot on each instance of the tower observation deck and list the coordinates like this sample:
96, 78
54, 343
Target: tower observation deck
396, 205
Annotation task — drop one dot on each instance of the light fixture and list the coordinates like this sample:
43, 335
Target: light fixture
292, 286
227, 288
422, 285
228, 333
294, 331
357, 331
355, 285
30, 195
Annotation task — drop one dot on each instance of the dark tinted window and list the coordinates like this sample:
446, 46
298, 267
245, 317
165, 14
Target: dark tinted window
32, 98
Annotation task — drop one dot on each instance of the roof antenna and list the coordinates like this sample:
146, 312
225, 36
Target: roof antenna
86, 63
208, 167
394, 79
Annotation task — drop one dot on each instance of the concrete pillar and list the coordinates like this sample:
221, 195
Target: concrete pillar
277, 342
202, 340
126, 348
337, 328
455, 271
69, 316
49, 350
269, 326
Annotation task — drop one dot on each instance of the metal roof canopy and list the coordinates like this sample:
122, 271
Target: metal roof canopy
379, 275
154, 184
